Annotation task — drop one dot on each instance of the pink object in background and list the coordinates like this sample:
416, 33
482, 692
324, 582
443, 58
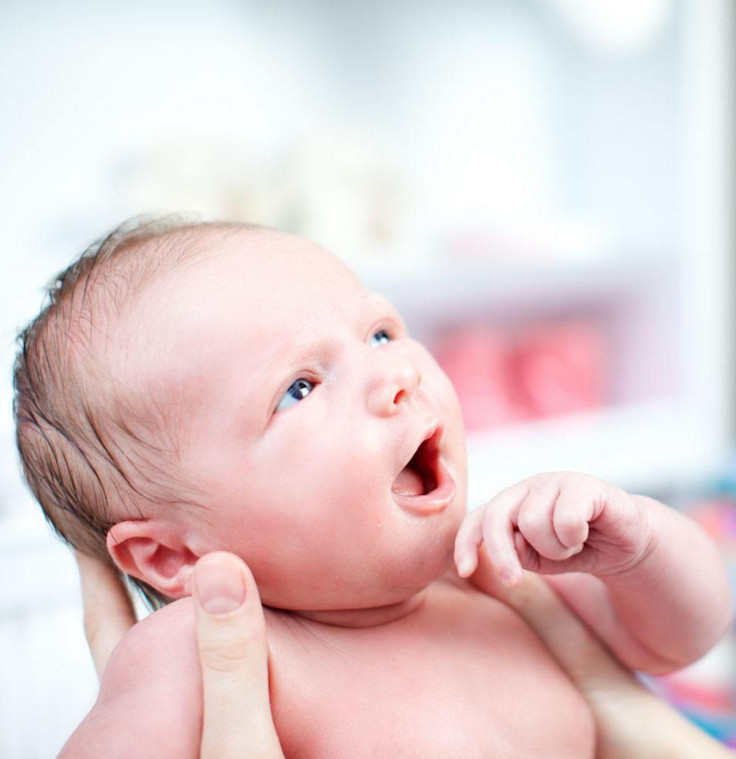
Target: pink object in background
558, 369
506, 377
475, 359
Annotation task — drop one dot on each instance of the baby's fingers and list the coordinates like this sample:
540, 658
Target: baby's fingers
571, 518
536, 522
500, 520
493, 525
467, 542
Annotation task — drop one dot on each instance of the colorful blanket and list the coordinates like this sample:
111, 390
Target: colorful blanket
706, 691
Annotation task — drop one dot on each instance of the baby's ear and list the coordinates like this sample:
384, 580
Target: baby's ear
152, 552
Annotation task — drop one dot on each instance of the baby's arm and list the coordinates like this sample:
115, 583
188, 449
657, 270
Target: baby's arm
150, 696
646, 579
667, 610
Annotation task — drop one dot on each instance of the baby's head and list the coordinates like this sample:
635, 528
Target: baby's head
196, 387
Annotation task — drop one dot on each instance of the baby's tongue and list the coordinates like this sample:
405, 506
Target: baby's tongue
408, 483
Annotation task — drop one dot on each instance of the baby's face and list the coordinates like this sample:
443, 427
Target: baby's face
305, 401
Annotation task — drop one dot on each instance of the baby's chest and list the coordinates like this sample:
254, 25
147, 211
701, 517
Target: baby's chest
434, 688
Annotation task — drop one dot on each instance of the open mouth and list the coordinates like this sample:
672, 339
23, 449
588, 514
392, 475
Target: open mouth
418, 477
424, 486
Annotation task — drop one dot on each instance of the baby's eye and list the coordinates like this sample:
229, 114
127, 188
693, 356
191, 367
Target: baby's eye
380, 337
298, 390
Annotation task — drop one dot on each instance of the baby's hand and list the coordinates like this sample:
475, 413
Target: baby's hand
553, 523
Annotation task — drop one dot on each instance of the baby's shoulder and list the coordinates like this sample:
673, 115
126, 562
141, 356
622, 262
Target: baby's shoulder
160, 648
150, 700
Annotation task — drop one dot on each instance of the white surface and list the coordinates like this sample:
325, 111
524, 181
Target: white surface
641, 447
447, 290
47, 681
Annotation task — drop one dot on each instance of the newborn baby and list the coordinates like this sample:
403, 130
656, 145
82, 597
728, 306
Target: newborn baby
195, 388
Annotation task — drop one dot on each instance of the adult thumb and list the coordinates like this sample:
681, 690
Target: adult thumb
233, 653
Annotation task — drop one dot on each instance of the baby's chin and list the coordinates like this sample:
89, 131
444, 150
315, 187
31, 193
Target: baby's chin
419, 558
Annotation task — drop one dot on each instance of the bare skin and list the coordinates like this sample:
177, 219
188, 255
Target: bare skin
630, 721
300, 404
441, 665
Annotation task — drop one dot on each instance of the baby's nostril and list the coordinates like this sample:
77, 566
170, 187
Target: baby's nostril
399, 397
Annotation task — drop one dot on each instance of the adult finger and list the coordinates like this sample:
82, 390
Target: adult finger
108, 610
231, 634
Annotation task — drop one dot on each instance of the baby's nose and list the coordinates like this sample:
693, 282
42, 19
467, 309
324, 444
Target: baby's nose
392, 384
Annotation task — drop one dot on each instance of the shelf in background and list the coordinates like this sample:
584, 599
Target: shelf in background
644, 447
444, 291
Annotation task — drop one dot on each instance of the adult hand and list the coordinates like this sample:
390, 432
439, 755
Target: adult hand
630, 721
108, 611
233, 655
231, 638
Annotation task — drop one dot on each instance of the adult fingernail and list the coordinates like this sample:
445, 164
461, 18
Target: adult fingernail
220, 588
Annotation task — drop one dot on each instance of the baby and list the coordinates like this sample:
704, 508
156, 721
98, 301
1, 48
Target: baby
204, 387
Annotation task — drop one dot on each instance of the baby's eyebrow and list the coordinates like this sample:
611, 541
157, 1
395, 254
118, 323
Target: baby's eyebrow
286, 359
378, 302
373, 298
324, 346
375, 301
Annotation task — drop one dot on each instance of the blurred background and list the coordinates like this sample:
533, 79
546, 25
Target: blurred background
545, 189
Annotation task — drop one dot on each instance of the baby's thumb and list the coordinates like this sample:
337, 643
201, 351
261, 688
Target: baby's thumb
233, 652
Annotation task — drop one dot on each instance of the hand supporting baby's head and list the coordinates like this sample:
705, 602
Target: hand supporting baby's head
204, 387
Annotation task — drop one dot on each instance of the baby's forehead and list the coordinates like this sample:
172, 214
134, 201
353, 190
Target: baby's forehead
268, 269
267, 266
241, 290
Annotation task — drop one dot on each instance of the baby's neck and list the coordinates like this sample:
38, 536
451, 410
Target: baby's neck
372, 617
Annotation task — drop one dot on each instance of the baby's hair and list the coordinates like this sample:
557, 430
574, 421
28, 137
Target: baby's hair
72, 414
